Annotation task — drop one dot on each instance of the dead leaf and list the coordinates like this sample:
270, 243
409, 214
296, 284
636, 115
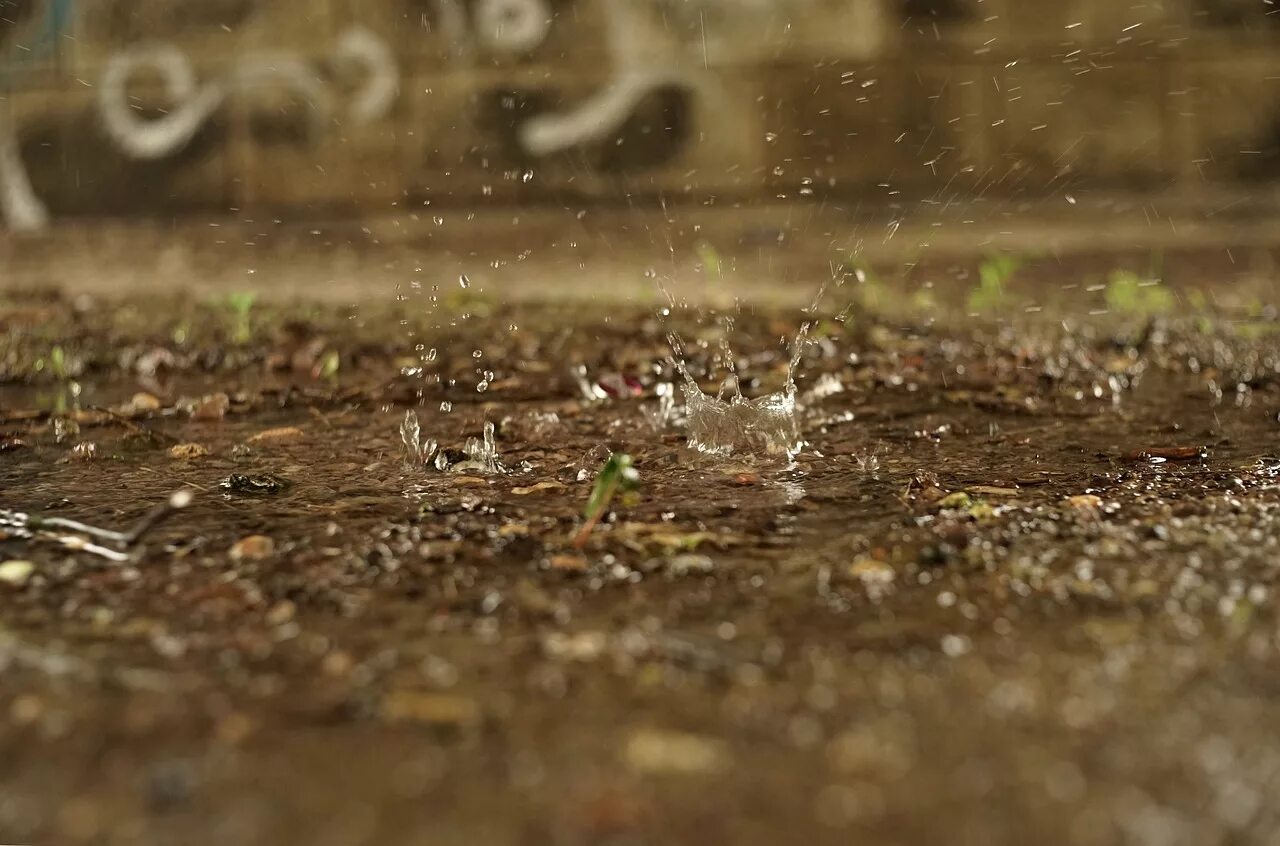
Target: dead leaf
538, 488
1159, 454
988, 490
186, 452
276, 436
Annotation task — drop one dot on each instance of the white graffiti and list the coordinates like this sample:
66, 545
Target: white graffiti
154, 138
20, 206
636, 73
512, 26
195, 103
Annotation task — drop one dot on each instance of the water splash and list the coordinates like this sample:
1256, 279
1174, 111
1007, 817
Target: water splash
416, 452
764, 425
730, 422
482, 455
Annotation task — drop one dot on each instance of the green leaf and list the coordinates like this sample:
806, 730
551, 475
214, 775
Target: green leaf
617, 475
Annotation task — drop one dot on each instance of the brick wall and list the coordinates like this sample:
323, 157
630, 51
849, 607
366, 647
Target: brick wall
320, 107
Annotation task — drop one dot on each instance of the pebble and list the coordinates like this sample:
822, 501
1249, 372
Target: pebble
437, 709
252, 548
281, 613
658, 751
16, 572
213, 407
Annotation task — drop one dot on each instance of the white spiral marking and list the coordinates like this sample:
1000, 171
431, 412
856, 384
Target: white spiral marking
512, 26
154, 138
19, 204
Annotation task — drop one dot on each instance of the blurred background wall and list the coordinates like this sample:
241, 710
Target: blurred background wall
341, 107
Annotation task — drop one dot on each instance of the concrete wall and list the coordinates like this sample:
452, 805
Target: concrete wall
321, 107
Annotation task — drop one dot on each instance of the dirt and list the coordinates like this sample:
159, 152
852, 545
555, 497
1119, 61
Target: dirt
1018, 586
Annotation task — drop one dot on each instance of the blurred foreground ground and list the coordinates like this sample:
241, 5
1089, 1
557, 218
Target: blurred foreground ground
1020, 586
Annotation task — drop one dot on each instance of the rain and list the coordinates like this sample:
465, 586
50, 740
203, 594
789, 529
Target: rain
639, 421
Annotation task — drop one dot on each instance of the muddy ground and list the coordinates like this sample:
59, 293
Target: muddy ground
1020, 586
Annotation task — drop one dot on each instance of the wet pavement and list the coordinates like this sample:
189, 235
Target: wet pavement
1018, 585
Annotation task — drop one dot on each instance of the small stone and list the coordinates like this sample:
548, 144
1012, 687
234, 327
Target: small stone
143, 402
281, 613
1085, 502
84, 451
26, 710
283, 434
16, 572
337, 663
656, 751
212, 407
234, 728
871, 571
689, 563
434, 709
568, 563
186, 452
253, 548
579, 646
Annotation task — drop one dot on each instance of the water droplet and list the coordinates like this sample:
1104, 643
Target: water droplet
463, 280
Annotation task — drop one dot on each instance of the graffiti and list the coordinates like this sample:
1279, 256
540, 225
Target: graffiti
652, 92
33, 40
636, 75
194, 104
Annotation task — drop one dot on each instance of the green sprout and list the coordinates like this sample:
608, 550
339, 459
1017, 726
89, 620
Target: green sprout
710, 259
68, 390
239, 305
618, 476
994, 274
58, 363
1129, 293
871, 294
329, 365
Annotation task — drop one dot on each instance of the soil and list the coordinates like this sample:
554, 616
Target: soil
1020, 585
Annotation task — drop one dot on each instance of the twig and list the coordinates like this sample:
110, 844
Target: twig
32, 526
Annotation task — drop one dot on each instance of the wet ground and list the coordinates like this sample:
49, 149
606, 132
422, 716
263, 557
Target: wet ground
1020, 585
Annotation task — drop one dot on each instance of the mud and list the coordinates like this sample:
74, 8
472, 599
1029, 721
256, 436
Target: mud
1018, 586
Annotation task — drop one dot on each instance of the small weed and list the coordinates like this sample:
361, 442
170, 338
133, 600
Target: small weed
58, 363
994, 275
239, 307
871, 294
710, 258
1130, 294
329, 365
617, 476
